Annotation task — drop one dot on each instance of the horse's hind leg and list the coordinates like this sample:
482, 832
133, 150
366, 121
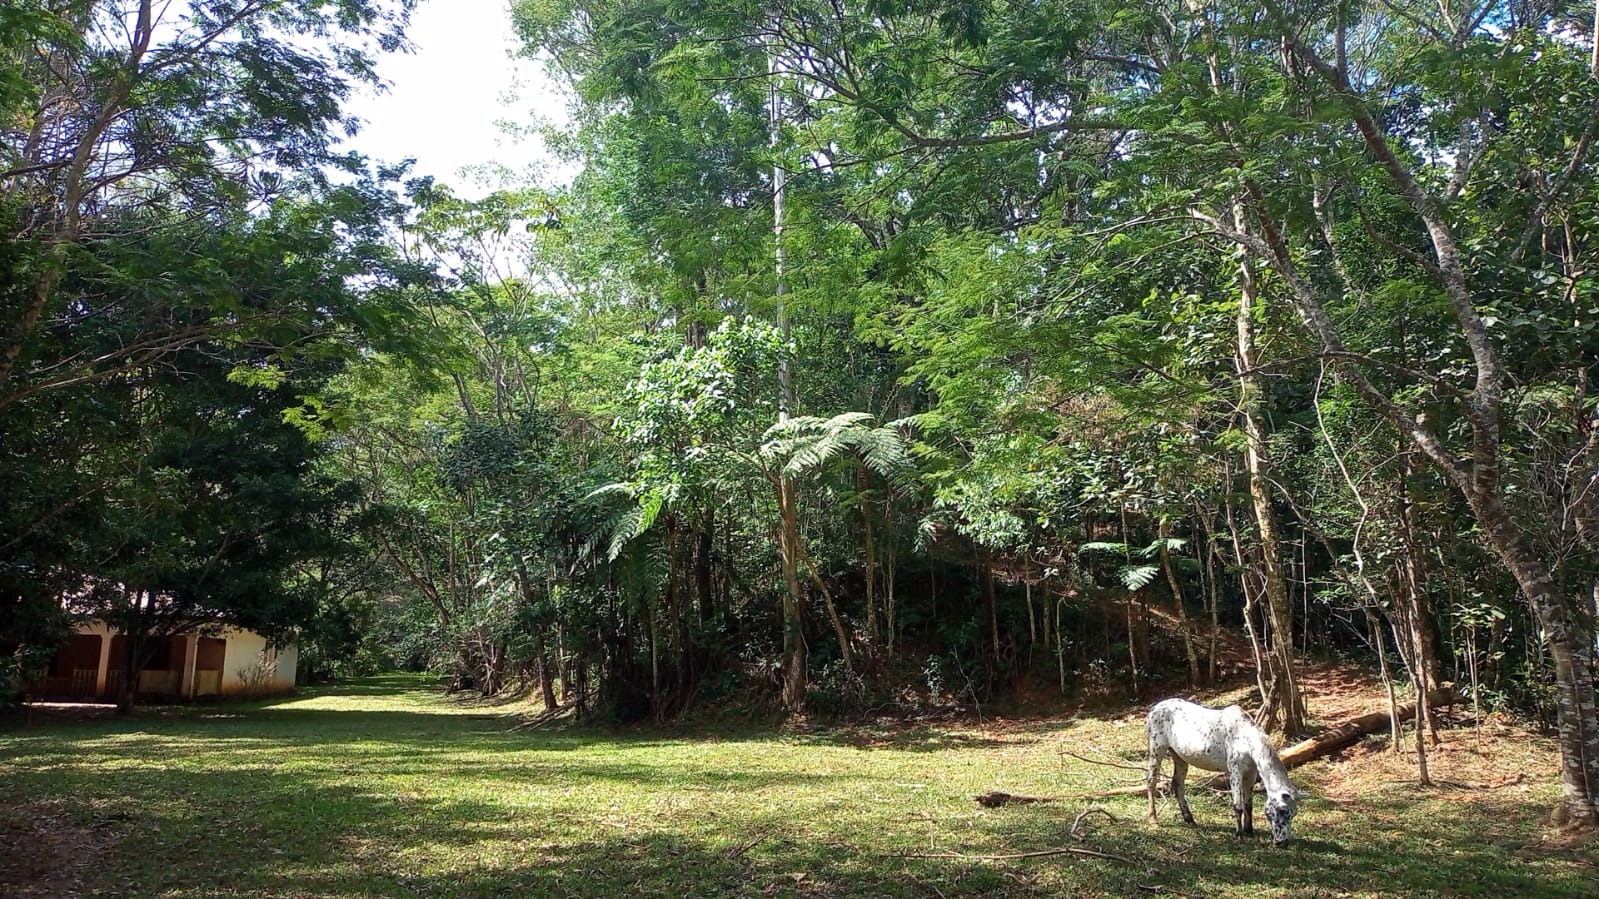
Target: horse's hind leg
1179, 771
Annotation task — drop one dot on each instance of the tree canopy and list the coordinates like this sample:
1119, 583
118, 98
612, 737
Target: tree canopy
879, 354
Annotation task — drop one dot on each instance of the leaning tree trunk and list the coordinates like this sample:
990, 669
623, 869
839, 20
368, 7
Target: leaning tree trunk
1569, 636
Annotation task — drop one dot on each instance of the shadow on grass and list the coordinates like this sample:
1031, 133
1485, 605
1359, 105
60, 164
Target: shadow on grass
286, 801
1404, 846
273, 834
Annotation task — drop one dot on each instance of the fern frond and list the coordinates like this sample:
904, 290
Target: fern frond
1137, 577
1103, 546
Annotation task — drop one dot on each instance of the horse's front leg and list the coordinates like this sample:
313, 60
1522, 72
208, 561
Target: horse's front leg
1243, 784
1179, 788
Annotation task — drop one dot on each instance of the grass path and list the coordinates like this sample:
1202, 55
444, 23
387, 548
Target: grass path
384, 788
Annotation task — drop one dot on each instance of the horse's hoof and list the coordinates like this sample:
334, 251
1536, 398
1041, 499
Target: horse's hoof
1189, 820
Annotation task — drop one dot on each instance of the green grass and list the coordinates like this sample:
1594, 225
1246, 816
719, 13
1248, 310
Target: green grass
384, 788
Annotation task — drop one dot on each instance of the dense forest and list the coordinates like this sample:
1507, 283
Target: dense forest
879, 355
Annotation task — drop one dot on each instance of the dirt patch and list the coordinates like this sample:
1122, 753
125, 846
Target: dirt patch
1502, 757
46, 851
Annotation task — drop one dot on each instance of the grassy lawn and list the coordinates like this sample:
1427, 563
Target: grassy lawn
384, 788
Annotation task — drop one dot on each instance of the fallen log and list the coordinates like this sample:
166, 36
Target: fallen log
1325, 743
1334, 739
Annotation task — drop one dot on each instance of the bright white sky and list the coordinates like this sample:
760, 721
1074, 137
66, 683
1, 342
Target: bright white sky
446, 99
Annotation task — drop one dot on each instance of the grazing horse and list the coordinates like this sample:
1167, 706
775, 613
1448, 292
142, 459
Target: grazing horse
1221, 740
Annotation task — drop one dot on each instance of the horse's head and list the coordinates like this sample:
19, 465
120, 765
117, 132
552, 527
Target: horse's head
1280, 809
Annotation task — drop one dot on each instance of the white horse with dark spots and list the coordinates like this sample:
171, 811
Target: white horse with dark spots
1221, 740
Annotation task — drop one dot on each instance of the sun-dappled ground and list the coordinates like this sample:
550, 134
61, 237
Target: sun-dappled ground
386, 788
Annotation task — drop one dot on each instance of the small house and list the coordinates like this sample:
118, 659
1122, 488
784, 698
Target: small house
228, 661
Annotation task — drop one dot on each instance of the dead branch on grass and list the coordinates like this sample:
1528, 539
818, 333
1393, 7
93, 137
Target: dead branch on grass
1085, 813
1108, 764
738, 852
997, 799
1012, 856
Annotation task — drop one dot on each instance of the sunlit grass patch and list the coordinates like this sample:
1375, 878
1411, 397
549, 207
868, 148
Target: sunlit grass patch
390, 789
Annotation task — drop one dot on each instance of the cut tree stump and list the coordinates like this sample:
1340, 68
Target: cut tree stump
1324, 743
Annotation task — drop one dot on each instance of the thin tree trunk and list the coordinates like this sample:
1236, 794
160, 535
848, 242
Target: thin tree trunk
546, 676
1132, 649
1262, 662
1182, 609
993, 606
656, 713
794, 654
1212, 599
1396, 732
794, 650
1060, 644
862, 487
832, 610
703, 581
1032, 619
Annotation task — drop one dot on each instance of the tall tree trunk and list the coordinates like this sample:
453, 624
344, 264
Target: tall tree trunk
1060, 642
794, 655
1278, 603
656, 713
131, 667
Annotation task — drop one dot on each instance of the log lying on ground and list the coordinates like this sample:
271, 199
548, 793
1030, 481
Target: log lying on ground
1324, 743
1334, 739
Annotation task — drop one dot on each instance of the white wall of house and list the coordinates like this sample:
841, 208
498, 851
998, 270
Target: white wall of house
249, 666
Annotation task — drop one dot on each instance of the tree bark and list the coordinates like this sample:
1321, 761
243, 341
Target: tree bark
794, 652
1568, 634
1278, 603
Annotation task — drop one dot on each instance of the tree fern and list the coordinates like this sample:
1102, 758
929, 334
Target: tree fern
806, 443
